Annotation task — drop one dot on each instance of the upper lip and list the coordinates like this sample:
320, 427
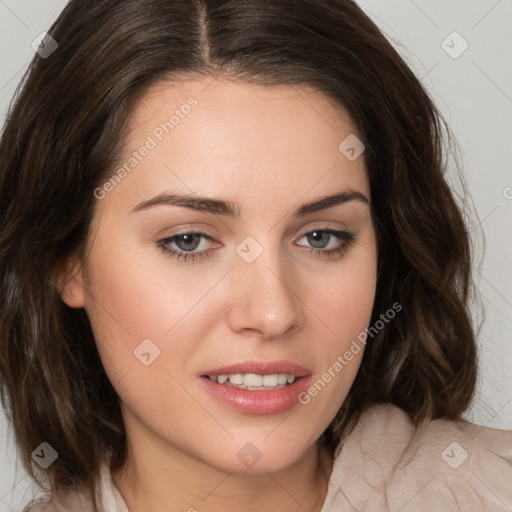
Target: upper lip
260, 368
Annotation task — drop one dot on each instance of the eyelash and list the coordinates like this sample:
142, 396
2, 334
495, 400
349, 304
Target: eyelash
348, 241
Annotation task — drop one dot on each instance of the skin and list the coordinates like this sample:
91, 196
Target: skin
270, 149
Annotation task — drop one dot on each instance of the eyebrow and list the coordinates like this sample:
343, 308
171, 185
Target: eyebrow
231, 209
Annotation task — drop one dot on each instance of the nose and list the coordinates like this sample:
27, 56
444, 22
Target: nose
263, 300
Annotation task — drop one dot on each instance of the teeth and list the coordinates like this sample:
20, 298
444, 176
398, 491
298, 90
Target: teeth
270, 380
282, 378
236, 378
253, 381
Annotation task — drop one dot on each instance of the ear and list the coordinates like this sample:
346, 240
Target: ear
68, 280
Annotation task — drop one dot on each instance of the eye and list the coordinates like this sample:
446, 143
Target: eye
320, 238
186, 245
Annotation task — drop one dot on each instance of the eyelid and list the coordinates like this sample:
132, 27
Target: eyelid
189, 230
325, 227
341, 226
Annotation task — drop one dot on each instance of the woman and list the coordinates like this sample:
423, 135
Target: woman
234, 274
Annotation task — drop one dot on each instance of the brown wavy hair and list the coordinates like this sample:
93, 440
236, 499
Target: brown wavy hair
64, 132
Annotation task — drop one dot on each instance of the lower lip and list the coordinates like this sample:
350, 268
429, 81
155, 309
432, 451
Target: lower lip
257, 402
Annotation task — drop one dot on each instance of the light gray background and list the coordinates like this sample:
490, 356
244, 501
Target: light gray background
473, 91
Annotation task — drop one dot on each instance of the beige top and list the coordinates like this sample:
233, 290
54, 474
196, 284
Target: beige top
384, 466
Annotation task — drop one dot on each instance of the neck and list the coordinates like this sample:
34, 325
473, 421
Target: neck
180, 482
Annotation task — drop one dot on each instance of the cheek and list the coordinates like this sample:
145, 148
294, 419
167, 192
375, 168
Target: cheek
352, 304
343, 303
343, 298
346, 310
136, 294
140, 287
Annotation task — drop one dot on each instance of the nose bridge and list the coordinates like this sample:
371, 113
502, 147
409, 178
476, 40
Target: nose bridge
264, 300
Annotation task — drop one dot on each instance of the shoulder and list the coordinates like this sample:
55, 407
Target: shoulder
387, 464
75, 500
79, 499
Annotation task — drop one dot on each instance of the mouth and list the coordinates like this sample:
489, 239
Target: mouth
256, 387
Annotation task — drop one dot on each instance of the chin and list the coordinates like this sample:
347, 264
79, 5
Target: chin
260, 454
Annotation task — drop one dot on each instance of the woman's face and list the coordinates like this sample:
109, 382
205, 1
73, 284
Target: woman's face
269, 285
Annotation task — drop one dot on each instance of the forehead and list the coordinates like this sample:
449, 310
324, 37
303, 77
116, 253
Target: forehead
226, 137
